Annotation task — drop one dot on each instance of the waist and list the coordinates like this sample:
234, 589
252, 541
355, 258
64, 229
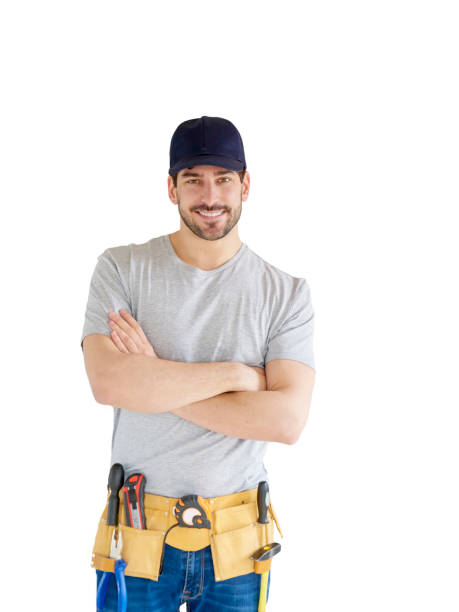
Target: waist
220, 477
159, 515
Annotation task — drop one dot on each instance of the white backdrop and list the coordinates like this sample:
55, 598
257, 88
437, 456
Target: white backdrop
348, 112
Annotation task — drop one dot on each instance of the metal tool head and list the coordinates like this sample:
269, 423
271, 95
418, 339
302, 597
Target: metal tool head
116, 545
266, 552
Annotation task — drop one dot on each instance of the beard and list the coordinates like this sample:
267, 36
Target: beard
211, 233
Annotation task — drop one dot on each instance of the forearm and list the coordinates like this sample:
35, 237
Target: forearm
253, 415
145, 384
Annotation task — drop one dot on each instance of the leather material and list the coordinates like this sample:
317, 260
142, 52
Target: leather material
234, 536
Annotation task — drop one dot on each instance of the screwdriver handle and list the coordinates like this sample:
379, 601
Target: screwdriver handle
115, 482
263, 501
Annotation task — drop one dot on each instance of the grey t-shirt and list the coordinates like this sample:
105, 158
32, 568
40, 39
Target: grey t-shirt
246, 310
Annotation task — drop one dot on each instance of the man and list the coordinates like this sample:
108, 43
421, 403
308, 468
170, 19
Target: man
205, 351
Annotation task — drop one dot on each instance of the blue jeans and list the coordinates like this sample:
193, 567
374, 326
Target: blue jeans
187, 577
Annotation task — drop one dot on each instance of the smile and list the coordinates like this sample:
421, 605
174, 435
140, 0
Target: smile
213, 215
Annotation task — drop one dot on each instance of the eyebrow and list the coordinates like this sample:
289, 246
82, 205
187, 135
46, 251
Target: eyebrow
216, 173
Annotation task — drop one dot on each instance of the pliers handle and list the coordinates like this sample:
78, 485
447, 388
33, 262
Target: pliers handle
120, 566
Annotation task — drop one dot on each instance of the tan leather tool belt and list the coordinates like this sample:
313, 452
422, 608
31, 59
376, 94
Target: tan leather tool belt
234, 536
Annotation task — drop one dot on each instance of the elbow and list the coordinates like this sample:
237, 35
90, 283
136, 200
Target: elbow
100, 391
292, 438
107, 381
104, 388
294, 426
97, 388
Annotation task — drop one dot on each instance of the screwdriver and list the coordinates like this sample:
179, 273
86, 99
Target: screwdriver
115, 482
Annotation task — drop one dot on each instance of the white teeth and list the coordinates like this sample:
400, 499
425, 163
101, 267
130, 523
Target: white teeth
210, 214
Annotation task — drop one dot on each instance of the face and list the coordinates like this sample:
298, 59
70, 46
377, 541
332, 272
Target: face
213, 190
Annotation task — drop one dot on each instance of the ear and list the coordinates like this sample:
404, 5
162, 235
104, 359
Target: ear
245, 187
172, 190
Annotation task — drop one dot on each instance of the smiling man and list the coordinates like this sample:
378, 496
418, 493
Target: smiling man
205, 352
212, 221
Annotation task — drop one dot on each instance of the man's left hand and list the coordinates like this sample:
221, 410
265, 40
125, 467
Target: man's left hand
128, 336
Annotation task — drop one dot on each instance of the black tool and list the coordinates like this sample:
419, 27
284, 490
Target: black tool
134, 492
263, 501
115, 482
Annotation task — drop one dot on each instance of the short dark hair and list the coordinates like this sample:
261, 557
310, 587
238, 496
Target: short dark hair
241, 176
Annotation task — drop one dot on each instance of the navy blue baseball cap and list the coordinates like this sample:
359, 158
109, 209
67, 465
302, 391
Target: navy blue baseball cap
208, 141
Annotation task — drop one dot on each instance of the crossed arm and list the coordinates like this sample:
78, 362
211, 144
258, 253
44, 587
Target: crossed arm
225, 397
275, 415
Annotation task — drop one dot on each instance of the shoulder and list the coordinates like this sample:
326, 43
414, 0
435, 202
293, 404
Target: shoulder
283, 284
125, 254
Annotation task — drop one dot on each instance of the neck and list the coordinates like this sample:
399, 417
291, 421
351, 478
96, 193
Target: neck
205, 254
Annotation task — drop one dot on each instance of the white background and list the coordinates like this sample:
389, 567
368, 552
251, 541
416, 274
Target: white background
348, 112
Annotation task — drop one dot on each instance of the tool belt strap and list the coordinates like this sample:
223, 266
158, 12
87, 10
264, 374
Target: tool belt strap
234, 535
194, 539
103, 563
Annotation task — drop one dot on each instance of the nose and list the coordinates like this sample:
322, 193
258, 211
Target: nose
209, 195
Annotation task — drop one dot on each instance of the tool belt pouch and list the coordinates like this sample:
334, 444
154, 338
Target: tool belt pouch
234, 536
141, 547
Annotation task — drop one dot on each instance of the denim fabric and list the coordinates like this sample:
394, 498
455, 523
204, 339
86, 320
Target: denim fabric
187, 577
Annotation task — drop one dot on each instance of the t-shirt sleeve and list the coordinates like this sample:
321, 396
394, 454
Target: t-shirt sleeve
108, 291
292, 337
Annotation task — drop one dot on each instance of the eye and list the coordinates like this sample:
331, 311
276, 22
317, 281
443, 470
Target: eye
226, 178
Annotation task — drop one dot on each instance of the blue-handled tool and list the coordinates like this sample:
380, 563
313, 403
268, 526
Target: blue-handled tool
115, 482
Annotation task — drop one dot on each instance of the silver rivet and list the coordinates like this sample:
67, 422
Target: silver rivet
164, 533
165, 513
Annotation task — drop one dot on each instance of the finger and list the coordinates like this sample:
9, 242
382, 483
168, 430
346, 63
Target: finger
117, 342
127, 341
122, 324
134, 324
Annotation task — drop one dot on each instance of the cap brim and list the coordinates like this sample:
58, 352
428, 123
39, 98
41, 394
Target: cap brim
208, 160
